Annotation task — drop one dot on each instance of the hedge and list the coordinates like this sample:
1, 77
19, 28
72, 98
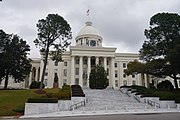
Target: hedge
42, 100
177, 100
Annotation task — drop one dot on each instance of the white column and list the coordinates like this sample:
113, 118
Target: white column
145, 80
72, 71
50, 67
89, 69
112, 79
30, 78
80, 71
105, 63
97, 60
36, 77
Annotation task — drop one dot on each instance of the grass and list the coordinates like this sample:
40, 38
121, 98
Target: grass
10, 99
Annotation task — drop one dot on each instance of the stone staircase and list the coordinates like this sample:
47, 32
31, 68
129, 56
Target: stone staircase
108, 99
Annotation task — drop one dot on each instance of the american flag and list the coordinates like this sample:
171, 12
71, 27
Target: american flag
88, 12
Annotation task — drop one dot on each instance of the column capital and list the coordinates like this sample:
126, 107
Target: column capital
37, 67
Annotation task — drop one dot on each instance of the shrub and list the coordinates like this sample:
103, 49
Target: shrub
66, 87
42, 100
133, 91
177, 100
164, 95
165, 85
148, 95
35, 85
57, 95
139, 88
63, 94
140, 93
124, 86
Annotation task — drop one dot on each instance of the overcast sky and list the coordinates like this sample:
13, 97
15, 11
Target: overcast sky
120, 22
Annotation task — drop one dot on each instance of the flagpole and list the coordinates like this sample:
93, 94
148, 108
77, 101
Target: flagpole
87, 12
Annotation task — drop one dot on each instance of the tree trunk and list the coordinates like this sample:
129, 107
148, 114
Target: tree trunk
6, 80
44, 67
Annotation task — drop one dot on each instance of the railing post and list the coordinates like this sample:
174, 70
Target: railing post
155, 108
178, 106
145, 108
168, 107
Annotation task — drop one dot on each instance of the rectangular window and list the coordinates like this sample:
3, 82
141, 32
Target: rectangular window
116, 74
65, 63
134, 82
77, 61
65, 72
85, 62
45, 82
124, 75
107, 71
56, 63
115, 64
124, 82
124, 65
116, 83
77, 71
133, 76
107, 62
46, 74
100, 62
77, 81
55, 73
64, 81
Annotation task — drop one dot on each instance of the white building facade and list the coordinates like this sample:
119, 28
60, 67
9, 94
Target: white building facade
78, 61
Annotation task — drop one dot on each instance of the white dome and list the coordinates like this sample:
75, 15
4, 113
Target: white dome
88, 30
89, 36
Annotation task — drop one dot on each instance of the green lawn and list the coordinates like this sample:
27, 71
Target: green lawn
10, 99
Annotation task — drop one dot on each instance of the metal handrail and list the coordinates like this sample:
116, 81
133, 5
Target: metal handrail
77, 105
153, 103
128, 93
137, 98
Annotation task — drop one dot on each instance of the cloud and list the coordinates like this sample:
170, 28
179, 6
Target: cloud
121, 22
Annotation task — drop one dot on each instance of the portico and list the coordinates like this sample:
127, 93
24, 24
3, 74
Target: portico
84, 58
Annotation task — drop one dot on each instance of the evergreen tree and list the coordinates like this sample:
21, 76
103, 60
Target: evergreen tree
98, 78
53, 32
13, 58
161, 52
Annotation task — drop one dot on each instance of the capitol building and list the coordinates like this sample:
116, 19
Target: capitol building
78, 61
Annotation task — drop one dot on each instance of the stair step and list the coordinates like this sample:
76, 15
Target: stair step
110, 100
